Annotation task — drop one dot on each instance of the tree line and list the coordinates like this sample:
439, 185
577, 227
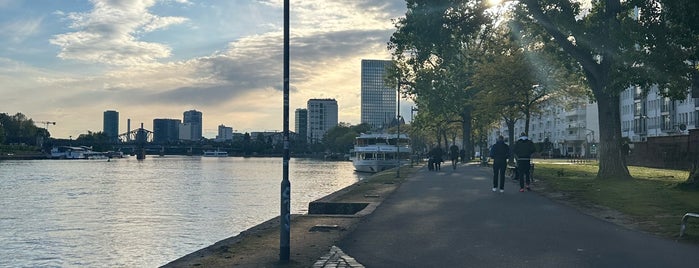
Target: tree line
18, 129
470, 65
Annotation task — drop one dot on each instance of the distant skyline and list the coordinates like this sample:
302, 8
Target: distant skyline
69, 61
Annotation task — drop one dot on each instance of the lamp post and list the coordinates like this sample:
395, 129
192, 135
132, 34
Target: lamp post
285, 214
398, 136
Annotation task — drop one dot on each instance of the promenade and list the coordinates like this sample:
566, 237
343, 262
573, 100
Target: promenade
451, 218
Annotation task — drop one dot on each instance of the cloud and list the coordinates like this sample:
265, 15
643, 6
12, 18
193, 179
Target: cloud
238, 85
109, 33
18, 31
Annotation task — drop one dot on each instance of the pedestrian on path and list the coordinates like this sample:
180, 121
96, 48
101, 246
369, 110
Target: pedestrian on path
454, 154
523, 150
499, 152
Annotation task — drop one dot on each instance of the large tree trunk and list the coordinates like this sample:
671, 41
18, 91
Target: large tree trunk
612, 159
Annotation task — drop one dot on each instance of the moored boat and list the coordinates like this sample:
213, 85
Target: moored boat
76, 152
379, 152
216, 153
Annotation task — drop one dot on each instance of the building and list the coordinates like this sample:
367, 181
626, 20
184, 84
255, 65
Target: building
570, 130
185, 131
166, 130
301, 122
192, 120
224, 133
322, 116
110, 125
653, 115
378, 100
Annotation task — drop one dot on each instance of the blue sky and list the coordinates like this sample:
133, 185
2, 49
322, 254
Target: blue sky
68, 61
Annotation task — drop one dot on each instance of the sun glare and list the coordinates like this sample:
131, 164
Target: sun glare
494, 2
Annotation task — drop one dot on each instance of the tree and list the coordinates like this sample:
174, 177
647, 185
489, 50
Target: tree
616, 50
434, 48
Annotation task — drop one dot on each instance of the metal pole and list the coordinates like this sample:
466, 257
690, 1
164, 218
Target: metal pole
398, 137
285, 217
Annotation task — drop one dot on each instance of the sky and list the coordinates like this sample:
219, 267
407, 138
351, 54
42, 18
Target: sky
68, 61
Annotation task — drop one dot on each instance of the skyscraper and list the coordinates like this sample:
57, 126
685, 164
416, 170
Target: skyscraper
166, 130
301, 123
110, 125
378, 100
194, 120
322, 116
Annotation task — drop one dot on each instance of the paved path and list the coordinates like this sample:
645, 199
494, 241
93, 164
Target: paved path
453, 219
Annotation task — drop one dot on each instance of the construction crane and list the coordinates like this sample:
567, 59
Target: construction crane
47, 123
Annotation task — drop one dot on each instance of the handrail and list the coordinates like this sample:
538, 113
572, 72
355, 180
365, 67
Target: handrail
686, 217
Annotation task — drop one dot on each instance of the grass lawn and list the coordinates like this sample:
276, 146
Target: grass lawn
652, 202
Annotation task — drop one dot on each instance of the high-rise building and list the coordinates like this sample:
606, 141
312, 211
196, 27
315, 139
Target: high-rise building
224, 133
110, 125
322, 116
166, 130
193, 120
378, 100
301, 123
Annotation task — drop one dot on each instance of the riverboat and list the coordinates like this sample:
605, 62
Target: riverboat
379, 152
76, 152
216, 153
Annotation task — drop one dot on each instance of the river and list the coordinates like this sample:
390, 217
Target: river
131, 213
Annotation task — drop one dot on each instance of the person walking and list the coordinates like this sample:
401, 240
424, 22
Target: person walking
454, 154
499, 152
523, 150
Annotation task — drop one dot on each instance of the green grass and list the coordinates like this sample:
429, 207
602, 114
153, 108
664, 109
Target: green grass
653, 200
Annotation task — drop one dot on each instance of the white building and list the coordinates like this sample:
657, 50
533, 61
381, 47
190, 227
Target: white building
378, 100
653, 115
570, 131
224, 133
322, 116
186, 130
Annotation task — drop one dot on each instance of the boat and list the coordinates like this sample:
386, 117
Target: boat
378, 152
76, 152
216, 153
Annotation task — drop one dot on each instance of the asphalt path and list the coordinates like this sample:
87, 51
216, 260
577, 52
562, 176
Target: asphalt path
451, 218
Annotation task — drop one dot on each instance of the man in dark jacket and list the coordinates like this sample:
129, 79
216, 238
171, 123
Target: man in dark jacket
499, 152
523, 149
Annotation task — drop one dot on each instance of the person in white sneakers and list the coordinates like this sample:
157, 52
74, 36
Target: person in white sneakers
499, 152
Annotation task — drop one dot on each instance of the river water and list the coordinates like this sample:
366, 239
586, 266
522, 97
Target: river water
130, 213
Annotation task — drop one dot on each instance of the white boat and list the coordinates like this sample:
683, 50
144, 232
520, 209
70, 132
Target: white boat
216, 153
76, 152
379, 152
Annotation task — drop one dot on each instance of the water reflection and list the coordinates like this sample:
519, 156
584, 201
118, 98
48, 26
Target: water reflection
144, 213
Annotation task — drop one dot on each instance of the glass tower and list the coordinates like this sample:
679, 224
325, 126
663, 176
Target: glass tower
378, 100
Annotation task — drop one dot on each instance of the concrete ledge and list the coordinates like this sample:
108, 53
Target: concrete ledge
332, 208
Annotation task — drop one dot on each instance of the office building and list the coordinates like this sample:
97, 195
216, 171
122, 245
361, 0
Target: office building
378, 100
193, 120
301, 123
166, 130
224, 133
110, 126
322, 116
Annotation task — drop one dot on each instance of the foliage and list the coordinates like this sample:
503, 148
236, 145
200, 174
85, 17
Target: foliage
18, 129
434, 47
340, 139
616, 49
